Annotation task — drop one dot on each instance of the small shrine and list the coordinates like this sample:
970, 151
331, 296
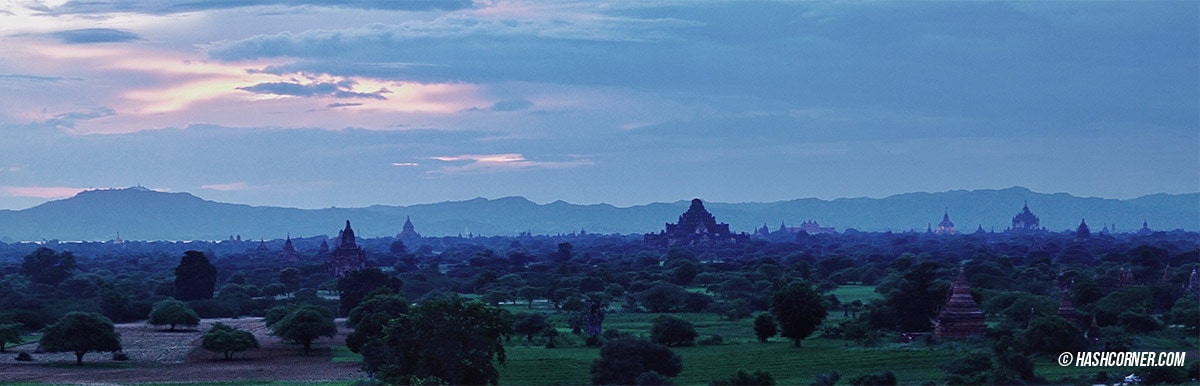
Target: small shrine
961, 317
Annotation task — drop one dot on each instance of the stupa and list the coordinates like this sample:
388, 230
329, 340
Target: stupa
961, 317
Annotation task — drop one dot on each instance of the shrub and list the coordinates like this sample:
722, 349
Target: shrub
672, 331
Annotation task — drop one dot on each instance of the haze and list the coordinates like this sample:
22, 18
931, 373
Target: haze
331, 103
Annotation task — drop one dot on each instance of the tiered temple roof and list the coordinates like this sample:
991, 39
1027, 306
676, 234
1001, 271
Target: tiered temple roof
961, 317
946, 227
347, 256
408, 235
1025, 221
289, 252
695, 227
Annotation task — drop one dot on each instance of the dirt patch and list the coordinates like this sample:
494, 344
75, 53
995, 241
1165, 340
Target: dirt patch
160, 356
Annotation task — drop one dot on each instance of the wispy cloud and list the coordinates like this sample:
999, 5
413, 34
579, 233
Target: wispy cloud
320, 89
405, 164
42, 192
490, 163
95, 35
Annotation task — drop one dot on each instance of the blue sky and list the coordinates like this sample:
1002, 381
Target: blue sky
350, 103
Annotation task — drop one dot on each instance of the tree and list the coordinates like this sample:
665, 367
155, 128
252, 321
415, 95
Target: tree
369, 320
914, 296
799, 311
302, 324
1052, 335
671, 331
355, 286
80, 333
195, 277
227, 340
530, 325
742, 378
173, 312
290, 278
663, 297
467, 336
764, 327
44, 266
622, 360
10, 333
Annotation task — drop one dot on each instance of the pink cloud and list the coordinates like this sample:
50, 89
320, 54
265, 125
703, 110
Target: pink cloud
44, 192
485, 163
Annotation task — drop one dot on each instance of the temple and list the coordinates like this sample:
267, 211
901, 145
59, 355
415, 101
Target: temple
408, 235
695, 227
961, 317
289, 252
1066, 310
810, 227
1025, 221
346, 255
946, 227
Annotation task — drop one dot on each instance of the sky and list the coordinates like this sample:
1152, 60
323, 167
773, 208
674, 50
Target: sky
322, 103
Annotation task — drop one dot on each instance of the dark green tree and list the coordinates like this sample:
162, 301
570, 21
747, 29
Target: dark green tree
81, 333
10, 333
369, 320
290, 278
467, 336
173, 312
671, 331
195, 277
227, 340
663, 297
798, 310
302, 324
913, 295
623, 360
355, 286
44, 266
886, 378
530, 325
764, 327
1051, 335
743, 378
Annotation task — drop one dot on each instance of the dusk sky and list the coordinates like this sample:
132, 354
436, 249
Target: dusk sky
314, 103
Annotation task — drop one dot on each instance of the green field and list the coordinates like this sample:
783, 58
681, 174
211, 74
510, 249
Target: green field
532, 364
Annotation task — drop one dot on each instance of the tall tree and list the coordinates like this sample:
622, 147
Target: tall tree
764, 327
369, 319
290, 278
45, 266
799, 311
227, 340
80, 333
467, 336
10, 333
195, 277
355, 286
173, 312
303, 324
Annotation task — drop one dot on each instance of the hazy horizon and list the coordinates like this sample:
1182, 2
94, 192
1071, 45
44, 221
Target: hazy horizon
316, 103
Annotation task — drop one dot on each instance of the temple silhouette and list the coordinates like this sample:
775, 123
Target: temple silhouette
695, 227
346, 255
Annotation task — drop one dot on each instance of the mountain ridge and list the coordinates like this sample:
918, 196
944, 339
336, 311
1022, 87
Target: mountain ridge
143, 214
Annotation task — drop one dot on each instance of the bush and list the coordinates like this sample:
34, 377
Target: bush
885, 378
672, 331
759, 378
24, 357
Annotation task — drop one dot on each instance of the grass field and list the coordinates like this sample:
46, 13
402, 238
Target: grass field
532, 364
343, 354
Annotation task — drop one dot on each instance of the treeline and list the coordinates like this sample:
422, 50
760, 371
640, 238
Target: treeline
1130, 285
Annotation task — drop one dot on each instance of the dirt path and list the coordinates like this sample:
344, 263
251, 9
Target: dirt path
159, 356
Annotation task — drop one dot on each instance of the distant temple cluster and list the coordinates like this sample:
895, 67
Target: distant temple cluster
695, 227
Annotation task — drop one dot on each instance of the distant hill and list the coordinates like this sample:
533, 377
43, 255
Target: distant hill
143, 214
